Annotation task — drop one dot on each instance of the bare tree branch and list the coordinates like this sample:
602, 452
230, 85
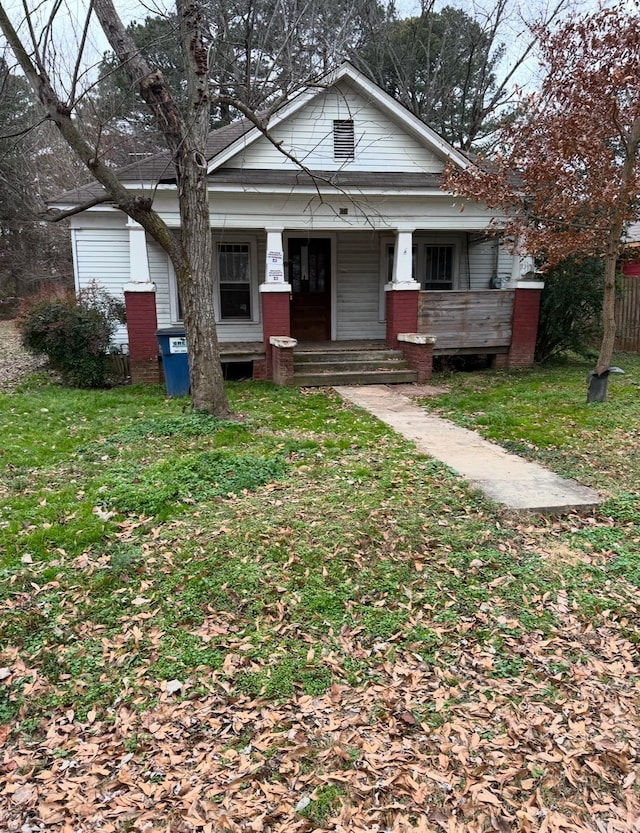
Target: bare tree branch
53, 215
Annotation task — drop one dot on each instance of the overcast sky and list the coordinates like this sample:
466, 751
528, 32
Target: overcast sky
514, 31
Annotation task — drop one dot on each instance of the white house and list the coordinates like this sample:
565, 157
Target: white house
346, 237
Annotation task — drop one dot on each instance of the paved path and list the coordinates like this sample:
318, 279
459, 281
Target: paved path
503, 477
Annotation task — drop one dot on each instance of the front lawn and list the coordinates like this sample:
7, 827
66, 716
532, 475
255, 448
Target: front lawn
296, 622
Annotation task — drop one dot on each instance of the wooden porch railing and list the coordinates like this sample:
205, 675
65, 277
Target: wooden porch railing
468, 321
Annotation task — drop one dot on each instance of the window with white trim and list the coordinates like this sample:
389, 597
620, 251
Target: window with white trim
344, 141
435, 263
234, 281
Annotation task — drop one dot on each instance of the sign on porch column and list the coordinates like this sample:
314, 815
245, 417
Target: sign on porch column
274, 270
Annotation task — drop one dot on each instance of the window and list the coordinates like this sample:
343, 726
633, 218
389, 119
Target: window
235, 284
234, 274
438, 272
343, 139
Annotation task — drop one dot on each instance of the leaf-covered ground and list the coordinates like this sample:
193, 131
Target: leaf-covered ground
298, 623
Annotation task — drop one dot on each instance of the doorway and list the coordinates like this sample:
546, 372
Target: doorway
309, 260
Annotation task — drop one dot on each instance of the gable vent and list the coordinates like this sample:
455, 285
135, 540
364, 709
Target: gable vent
343, 139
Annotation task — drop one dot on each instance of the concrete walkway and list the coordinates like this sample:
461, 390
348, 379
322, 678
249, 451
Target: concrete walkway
503, 477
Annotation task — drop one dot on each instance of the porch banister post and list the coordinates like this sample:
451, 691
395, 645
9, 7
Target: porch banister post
274, 292
402, 292
138, 257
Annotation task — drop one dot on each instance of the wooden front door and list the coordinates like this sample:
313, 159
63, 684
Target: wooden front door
310, 278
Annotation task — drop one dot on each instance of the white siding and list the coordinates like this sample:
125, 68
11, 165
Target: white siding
358, 287
483, 264
381, 145
102, 255
505, 266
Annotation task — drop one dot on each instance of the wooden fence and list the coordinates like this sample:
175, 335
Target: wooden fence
474, 321
119, 367
628, 314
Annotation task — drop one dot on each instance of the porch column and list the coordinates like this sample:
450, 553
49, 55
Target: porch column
524, 327
275, 294
402, 291
142, 323
138, 257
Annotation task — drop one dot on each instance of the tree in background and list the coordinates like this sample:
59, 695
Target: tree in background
32, 159
574, 147
260, 51
452, 68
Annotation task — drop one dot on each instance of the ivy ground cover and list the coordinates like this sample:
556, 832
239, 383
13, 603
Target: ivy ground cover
296, 622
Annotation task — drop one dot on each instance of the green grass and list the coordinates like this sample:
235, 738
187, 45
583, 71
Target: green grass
303, 546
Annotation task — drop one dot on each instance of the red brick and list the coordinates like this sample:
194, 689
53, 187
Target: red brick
142, 324
526, 312
402, 313
276, 321
260, 369
282, 365
420, 358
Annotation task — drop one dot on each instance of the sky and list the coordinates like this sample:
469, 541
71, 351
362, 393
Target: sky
515, 31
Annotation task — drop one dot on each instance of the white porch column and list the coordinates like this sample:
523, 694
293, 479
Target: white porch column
524, 268
138, 257
274, 267
402, 275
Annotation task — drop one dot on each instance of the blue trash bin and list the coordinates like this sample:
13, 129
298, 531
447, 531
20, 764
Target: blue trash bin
175, 360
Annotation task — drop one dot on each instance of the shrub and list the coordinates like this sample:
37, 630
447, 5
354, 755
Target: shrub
570, 308
74, 332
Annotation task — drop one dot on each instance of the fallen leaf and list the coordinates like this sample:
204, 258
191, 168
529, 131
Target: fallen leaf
173, 686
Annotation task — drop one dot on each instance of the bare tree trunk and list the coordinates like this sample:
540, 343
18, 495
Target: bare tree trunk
608, 342
607, 346
197, 289
187, 144
190, 257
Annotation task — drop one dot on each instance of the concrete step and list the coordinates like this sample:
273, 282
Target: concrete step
347, 363
303, 356
354, 377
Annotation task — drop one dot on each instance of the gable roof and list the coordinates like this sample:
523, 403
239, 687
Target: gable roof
226, 142
386, 103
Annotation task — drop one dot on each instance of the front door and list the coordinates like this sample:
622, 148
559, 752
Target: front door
310, 279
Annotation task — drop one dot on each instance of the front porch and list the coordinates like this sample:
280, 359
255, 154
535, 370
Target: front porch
419, 325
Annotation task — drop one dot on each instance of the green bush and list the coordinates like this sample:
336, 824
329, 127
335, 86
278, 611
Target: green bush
73, 332
570, 308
